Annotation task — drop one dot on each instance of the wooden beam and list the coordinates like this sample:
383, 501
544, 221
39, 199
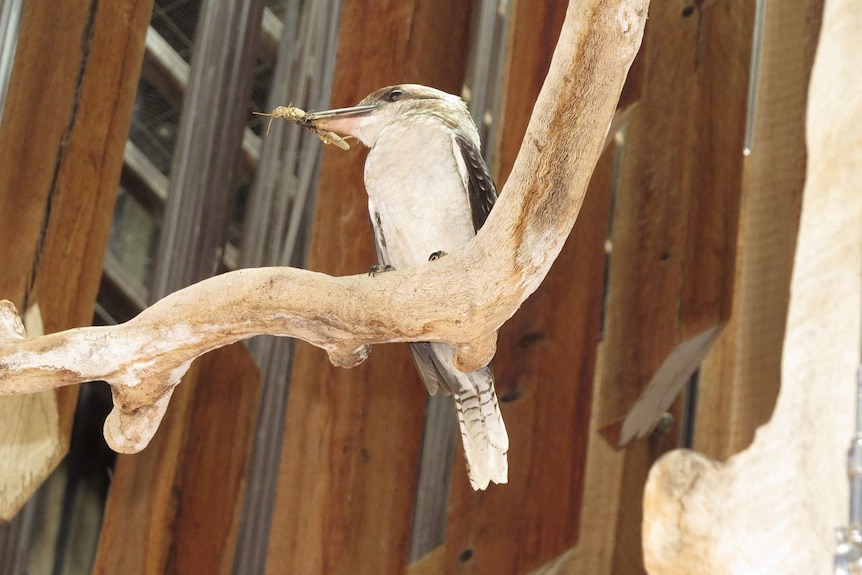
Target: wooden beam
533, 31
175, 507
674, 227
740, 378
345, 502
58, 190
788, 491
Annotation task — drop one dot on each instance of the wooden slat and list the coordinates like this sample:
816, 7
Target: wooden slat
76, 84
174, 508
544, 365
270, 36
740, 378
675, 220
351, 444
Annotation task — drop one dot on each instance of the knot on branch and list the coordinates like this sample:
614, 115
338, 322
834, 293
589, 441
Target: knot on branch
348, 356
477, 354
131, 432
10, 322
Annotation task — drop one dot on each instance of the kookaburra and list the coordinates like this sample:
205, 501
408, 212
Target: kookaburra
429, 192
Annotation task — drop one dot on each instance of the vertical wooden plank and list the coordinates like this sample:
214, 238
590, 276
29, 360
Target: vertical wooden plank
675, 220
175, 507
350, 455
544, 365
61, 153
740, 378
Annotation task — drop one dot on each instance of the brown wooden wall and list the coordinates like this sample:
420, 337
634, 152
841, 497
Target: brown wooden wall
681, 252
64, 128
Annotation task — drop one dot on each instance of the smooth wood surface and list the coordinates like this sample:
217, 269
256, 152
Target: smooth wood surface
773, 508
675, 215
175, 507
351, 446
62, 137
740, 378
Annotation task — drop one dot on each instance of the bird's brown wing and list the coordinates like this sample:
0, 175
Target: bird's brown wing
481, 190
379, 240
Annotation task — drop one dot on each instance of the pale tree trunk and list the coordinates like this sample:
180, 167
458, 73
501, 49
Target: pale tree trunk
774, 507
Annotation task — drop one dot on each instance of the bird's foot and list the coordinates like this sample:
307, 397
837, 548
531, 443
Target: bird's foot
378, 269
436, 255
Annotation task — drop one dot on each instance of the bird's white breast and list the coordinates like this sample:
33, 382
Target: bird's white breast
415, 185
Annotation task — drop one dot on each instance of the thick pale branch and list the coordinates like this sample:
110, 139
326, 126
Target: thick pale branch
461, 299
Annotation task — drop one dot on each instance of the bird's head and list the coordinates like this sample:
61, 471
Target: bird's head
366, 120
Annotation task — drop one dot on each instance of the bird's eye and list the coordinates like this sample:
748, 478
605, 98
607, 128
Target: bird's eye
394, 95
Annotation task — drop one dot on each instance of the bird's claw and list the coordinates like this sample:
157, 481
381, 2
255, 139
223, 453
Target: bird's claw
436, 255
378, 269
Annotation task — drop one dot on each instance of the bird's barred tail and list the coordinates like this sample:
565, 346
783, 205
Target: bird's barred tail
483, 432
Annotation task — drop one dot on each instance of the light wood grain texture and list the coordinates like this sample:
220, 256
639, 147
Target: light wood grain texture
64, 128
773, 507
674, 228
175, 507
740, 378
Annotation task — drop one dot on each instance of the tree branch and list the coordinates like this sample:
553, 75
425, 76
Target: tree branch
461, 299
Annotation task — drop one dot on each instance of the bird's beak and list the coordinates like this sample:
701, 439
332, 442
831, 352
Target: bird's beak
342, 121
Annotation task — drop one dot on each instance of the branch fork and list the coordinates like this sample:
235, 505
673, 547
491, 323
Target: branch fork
462, 298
